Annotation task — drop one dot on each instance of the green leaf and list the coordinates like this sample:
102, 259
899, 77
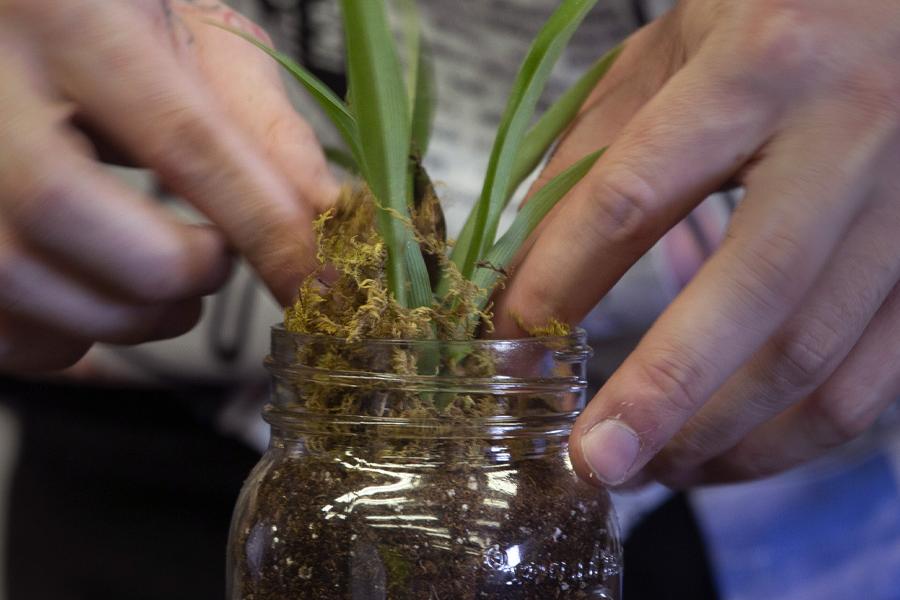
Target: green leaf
333, 106
556, 119
379, 103
425, 103
420, 284
540, 137
529, 85
534, 211
419, 77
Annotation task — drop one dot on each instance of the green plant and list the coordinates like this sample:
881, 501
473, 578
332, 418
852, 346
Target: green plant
385, 124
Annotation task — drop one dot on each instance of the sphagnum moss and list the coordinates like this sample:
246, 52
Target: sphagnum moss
356, 302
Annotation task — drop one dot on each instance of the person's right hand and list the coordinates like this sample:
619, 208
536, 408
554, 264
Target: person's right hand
785, 343
84, 258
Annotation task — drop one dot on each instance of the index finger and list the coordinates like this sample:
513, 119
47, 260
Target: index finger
647, 181
143, 98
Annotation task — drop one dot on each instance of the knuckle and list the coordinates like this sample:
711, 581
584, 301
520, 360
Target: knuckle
624, 208
840, 416
799, 360
803, 355
784, 39
287, 128
188, 150
672, 377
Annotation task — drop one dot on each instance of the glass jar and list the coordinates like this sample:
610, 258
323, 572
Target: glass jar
423, 470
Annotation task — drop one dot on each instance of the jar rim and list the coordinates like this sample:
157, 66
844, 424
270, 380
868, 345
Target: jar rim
537, 374
540, 376
577, 338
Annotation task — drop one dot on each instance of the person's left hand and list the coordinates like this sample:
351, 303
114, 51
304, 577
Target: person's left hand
151, 83
787, 341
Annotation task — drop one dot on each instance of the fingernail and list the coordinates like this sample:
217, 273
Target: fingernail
610, 448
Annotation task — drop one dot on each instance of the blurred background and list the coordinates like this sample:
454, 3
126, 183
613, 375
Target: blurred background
117, 479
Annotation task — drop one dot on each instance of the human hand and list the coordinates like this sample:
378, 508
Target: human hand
787, 341
84, 258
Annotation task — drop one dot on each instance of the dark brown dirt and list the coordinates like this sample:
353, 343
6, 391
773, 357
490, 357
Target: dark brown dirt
462, 522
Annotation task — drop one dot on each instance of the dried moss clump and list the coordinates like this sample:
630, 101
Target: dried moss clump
348, 296
553, 328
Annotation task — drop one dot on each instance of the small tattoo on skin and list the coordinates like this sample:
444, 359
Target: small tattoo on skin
179, 32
